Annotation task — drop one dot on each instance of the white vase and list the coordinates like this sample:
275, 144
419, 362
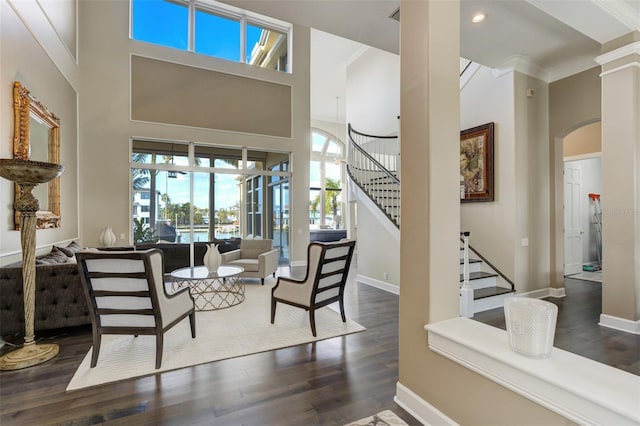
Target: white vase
107, 237
212, 258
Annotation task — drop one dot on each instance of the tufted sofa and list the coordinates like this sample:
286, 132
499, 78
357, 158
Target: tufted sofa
60, 299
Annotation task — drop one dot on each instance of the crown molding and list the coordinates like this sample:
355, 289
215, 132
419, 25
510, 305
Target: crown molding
629, 49
523, 65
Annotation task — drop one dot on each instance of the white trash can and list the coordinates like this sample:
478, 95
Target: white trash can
531, 326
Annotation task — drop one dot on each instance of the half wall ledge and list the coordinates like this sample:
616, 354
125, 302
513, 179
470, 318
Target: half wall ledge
577, 388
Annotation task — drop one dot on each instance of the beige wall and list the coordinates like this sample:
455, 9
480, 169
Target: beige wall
583, 141
621, 189
164, 92
573, 102
532, 264
23, 59
105, 51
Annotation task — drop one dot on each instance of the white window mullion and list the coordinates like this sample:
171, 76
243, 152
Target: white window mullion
191, 42
243, 40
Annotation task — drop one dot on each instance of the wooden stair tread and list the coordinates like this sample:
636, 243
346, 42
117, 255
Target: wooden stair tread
481, 293
471, 261
478, 276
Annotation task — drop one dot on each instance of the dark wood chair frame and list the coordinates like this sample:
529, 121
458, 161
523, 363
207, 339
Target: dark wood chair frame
99, 330
319, 276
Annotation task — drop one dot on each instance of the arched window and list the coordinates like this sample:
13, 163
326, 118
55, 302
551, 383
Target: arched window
326, 181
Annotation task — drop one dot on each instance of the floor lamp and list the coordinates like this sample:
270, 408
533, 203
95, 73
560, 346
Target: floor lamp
28, 174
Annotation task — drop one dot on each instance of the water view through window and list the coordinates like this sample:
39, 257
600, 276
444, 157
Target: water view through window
230, 199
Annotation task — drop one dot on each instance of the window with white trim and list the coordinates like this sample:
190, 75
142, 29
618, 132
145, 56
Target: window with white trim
210, 28
326, 181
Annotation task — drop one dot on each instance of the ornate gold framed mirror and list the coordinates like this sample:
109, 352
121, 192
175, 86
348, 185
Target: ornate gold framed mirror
37, 138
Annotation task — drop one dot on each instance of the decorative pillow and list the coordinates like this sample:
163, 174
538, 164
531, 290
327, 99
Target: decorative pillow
52, 258
71, 249
74, 246
66, 251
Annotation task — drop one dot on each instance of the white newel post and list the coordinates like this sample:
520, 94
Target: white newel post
466, 292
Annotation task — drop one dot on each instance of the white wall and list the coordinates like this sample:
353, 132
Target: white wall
372, 107
378, 251
489, 98
373, 93
591, 183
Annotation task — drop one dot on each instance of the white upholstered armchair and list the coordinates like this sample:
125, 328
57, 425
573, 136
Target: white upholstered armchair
126, 295
327, 270
258, 258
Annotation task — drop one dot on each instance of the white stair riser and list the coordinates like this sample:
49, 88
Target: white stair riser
482, 283
473, 267
489, 303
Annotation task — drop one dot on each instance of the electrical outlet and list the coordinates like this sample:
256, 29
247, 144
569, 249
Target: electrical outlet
386, 276
525, 242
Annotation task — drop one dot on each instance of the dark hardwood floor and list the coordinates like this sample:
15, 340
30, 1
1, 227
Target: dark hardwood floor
577, 328
330, 382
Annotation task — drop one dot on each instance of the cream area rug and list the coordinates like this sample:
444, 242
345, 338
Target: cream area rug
240, 330
383, 418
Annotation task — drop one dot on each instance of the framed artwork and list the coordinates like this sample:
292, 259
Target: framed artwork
476, 164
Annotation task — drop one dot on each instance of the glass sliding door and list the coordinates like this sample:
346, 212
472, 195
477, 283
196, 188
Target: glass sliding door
280, 218
186, 193
254, 203
278, 198
227, 202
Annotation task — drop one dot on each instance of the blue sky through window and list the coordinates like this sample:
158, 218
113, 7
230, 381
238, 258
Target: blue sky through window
217, 36
149, 15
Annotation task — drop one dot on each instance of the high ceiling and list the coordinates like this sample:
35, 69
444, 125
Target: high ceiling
549, 39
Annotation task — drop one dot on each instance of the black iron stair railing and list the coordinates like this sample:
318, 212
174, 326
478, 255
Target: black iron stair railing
373, 166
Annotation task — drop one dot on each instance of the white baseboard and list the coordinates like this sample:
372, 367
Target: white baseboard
537, 294
298, 264
420, 409
621, 324
544, 292
390, 288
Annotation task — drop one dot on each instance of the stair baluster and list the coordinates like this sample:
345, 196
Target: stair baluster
466, 292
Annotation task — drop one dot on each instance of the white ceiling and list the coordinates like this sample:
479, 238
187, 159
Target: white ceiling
549, 39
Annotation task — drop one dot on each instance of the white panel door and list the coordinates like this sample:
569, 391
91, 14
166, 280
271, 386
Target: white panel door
572, 219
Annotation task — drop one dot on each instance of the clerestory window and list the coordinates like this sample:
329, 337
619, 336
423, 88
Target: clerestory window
210, 28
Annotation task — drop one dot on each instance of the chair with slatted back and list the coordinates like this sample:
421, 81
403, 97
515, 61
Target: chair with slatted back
126, 294
324, 281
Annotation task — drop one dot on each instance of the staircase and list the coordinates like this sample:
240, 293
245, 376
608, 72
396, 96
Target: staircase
373, 166
488, 285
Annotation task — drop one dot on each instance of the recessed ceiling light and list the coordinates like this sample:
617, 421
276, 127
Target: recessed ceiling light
478, 17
